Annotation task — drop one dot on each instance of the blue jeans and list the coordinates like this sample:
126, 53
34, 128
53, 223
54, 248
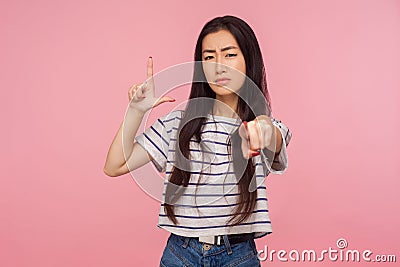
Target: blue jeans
186, 251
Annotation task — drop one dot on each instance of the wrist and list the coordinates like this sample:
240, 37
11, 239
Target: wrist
274, 147
137, 111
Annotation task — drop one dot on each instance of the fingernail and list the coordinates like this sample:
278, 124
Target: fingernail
255, 154
244, 123
151, 57
173, 100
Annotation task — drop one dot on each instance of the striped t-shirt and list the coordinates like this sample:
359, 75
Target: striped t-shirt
206, 211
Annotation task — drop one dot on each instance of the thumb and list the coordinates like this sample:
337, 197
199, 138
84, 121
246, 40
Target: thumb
163, 100
243, 131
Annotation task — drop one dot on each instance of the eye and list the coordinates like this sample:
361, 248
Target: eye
231, 55
207, 57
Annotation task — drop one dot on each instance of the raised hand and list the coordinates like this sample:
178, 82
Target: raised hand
142, 96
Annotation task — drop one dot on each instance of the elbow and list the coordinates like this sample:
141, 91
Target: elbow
110, 173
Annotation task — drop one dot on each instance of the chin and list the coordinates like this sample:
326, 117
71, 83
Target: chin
221, 90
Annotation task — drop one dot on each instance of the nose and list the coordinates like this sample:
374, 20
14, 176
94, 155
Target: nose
219, 65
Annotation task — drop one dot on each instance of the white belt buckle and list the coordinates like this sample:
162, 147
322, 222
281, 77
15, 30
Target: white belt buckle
210, 239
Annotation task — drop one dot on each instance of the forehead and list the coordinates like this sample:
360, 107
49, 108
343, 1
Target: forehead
218, 40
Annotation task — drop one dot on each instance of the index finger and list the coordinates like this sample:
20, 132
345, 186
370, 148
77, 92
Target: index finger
150, 67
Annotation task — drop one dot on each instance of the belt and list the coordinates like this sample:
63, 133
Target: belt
218, 239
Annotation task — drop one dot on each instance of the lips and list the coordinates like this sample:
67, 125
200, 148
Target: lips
222, 81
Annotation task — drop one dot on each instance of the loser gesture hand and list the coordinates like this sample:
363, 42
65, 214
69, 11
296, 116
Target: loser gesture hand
142, 96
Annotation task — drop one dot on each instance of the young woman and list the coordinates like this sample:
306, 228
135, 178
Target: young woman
216, 153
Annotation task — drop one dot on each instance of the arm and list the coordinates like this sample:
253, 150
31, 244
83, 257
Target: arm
125, 154
278, 141
280, 158
118, 162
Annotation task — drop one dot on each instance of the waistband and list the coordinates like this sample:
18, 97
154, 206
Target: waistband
219, 240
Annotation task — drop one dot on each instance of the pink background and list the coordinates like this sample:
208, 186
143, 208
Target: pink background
333, 74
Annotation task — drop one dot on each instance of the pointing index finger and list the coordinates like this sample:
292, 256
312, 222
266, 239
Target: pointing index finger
150, 68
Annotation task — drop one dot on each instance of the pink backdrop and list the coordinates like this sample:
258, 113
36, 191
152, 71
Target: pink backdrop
333, 74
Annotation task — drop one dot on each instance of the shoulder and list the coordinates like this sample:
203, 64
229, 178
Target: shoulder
175, 114
172, 119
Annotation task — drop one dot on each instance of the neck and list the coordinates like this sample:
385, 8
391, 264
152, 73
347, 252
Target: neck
226, 105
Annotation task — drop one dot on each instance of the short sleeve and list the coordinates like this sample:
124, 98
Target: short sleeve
155, 140
280, 163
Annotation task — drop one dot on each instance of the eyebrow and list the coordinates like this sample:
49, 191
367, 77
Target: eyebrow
223, 49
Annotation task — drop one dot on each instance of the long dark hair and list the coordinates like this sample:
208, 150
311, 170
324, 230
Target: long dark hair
196, 113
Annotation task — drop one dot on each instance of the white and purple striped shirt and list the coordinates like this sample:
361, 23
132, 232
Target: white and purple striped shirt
205, 212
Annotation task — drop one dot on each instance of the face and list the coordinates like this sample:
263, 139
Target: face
223, 62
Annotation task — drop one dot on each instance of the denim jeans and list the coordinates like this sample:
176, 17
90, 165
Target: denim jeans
186, 251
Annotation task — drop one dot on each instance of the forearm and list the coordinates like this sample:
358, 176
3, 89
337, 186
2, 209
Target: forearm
122, 145
276, 139
276, 144
277, 158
